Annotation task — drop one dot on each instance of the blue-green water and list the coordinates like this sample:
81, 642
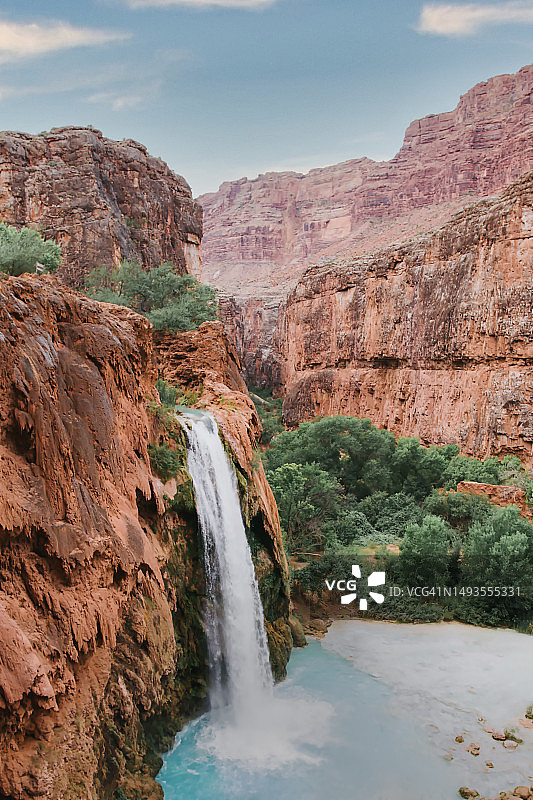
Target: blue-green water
329, 731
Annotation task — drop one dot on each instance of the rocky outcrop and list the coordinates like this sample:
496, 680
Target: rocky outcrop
433, 338
499, 495
102, 652
261, 234
102, 200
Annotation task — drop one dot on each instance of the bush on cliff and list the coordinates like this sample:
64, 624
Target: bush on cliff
26, 250
170, 301
164, 461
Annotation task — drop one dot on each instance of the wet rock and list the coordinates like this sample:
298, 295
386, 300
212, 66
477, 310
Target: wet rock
297, 631
318, 627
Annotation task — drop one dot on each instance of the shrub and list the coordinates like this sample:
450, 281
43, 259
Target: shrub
175, 395
459, 509
499, 552
424, 552
21, 251
390, 514
170, 301
350, 527
164, 461
463, 468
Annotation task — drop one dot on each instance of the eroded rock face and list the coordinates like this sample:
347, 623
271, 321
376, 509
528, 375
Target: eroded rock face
206, 359
102, 653
261, 234
102, 200
432, 339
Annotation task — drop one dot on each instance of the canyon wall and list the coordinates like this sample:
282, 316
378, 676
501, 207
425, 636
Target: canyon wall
261, 234
102, 651
433, 338
102, 200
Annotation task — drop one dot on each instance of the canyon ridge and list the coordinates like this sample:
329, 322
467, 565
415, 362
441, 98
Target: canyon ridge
430, 338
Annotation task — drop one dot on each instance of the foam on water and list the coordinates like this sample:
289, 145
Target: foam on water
335, 737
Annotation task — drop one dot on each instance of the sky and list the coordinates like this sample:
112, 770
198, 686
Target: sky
222, 89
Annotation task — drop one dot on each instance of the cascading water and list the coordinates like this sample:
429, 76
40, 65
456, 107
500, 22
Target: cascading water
237, 643
249, 727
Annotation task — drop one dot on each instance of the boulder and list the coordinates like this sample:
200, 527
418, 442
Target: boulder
297, 631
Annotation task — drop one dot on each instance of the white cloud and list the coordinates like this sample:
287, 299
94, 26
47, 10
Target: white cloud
28, 40
116, 100
464, 19
120, 86
245, 4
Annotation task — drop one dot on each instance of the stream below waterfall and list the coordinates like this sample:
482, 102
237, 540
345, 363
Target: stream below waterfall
381, 724
371, 712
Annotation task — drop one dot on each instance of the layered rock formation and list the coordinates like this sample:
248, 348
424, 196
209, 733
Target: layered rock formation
102, 200
261, 234
102, 653
433, 338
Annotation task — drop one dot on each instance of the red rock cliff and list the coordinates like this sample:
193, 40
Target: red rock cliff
101, 580
102, 200
432, 339
261, 234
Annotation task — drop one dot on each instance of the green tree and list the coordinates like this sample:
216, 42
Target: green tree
463, 468
390, 514
351, 450
424, 552
459, 509
170, 301
22, 250
499, 550
416, 469
350, 527
307, 498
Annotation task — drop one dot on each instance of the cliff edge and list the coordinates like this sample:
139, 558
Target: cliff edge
102, 651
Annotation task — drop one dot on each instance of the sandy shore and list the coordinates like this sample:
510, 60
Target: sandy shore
457, 680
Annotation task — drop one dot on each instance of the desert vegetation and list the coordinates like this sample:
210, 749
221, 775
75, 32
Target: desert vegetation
26, 250
348, 492
171, 302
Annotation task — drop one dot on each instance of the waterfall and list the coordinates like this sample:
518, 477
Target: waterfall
239, 662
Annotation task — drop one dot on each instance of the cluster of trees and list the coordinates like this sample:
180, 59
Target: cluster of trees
170, 301
26, 250
344, 487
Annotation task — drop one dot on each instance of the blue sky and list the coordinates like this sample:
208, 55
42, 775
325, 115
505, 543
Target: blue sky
228, 88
